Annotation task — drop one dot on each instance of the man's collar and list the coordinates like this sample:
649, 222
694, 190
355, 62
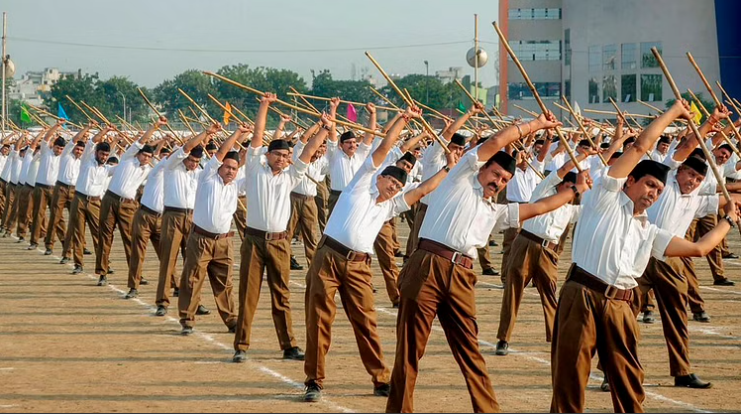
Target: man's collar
627, 204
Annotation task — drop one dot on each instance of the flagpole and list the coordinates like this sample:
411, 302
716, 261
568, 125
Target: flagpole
5, 61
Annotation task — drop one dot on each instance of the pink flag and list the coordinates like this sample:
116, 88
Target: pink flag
352, 114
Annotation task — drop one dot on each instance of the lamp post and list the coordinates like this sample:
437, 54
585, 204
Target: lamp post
124, 103
427, 83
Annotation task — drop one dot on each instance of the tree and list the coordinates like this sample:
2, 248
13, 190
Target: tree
78, 88
197, 85
709, 105
114, 90
324, 85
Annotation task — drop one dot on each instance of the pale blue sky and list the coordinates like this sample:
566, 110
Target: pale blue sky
219, 32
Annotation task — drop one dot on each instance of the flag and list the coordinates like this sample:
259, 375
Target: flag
25, 116
461, 107
577, 109
696, 111
61, 113
227, 114
352, 114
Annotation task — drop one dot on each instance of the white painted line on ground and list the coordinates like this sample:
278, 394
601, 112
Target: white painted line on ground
7, 369
732, 292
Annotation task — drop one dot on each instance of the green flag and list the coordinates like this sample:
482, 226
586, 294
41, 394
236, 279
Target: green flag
461, 107
25, 116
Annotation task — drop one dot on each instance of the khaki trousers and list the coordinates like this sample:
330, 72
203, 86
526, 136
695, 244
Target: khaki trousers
509, 238
240, 216
409, 216
83, 210
698, 229
329, 273
414, 235
384, 247
586, 321
147, 227
3, 191
431, 285
395, 236
42, 198
529, 260
11, 191
114, 212
333, 197
485, 257
322, 205
61, 198
274, 256
669, 282
25, 209
176, 226
304, 218
213, 258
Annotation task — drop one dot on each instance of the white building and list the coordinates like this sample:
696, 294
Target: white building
32, 86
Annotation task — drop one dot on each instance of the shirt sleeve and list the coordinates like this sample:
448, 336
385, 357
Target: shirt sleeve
543, 189
363, 179
399, 206
363, 150
671, 162
132, 151
298, 149
575, 213
210, 170
254, 158
508, 217
467, 166
297, 171
708, 205
175, 159
660, 243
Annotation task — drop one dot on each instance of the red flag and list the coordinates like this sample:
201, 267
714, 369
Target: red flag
352, 114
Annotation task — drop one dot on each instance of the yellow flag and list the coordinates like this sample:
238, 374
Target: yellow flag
227, 114
696, 111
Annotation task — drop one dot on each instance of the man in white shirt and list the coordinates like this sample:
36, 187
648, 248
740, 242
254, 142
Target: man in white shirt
438, 279
269, 180
51, 152
27, 179
613, 243
662, 149
13, 170
4, 155
210, 249
119, 202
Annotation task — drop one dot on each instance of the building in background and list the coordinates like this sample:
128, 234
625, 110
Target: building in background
33, 86
594, 50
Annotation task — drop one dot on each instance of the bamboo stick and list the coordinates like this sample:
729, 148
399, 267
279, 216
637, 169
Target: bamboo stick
583, 129
321, 98
707, 114
717, 101
79, 108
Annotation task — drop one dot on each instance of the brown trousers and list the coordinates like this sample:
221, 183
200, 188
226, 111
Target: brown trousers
529, 260
669, 282
3, 191
114, 212
409, 216
11, 195
25, 209
176, 227
586, 321
258, 255
333, 197
83, 210
42, 198
329, 273
509, 238
383, 245
147, 227
419, 217
322, 205
431, 285
240, 216
213, 258
698, 229
61, 198
304, 217
485, 257
395, 236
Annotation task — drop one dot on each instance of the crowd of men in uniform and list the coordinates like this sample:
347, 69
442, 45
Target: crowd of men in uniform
641, 204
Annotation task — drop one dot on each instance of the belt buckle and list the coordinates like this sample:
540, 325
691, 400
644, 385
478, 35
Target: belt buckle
351, 255
455, 257
268, 236
613, 289
545, 243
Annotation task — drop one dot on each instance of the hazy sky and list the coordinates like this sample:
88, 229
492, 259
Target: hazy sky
117, 37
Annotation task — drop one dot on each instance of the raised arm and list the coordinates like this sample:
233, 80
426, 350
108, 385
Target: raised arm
545, 205
368, 137
200, 138
316, 141
333, 104
260, 120
431, 184
379, 155
50, 133
513, 133
281, 125
229, 143
477, 108
310, 132
680, 247
37, 139
144, 140
547, 142
685, 149
412, 142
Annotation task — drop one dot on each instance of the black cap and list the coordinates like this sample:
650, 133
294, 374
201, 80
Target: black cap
165, 151
211, 147
699, 154
570, 177
347, 135
408, 156
232, 155
584, 143
664, 140
396, 172
147, 149
458, 139
197, 152
278, 144
103, 146
652, 168
504, 160
60, 142
604, 145
80, 144
726, 147
112, 160
539, 142
696, 164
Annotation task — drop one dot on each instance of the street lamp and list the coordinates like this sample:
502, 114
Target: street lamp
124, 103
427, 82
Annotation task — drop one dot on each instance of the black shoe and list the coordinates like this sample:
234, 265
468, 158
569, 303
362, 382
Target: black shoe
21, 240
731, 256
724, 282
187, 330
202, 310
395, 306
102, 281
701, 317
493, 243
175, 292
161, 311
313, 393
77, 270
87, 252
110, 271
294, 353
65, 260
144, 282
490, 272
605, 387
32, 247
133, 293
691, 381
295, 265
233, 329
239, 357
502, 348
382, 390
648, 317
398, 253
48, 252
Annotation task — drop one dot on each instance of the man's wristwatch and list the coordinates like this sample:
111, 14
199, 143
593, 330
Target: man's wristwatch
446, 168
576, 191
730, 220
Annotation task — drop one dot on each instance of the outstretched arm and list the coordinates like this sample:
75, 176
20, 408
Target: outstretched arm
379, 155
368, 137
545, 205
477, 108
316, 141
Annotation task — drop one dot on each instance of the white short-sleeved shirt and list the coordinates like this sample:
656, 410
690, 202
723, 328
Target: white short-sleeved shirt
153, 196
317, 170
182, 185
93, 177
550, 226
48, 166
433, 161
69, 165
520, 188
216, 202
342, 168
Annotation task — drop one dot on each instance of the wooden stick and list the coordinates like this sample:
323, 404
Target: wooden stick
79, 108
583, 129
534, 91
185, 121
708, 156
651, 106
597, 111
733, 104
717, 101
47, 113
203, 111
408, 102
225, 109
707, 114
321, 98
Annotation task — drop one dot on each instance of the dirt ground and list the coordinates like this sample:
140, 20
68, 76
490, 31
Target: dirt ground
67, 345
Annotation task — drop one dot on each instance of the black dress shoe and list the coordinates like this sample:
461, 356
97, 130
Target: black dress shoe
648, 317
102, 281
605, 386
133, 293
65, 260
502, 348
21, 240
701, 317
175, 292
691, 381
110, 271
32, 247
48, 252
87, 252
202, 310
313, 393
144, 282
731, 256
395, 305
233, 328
161, 311
239, 357
187, 330
490, 272
295, 265
77, 270
724, 282
382, 390
398, 253
493, 243
294, 353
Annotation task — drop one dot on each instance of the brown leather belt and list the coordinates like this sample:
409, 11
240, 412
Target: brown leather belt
249, 231
582, 277
545, 243
446, 252
301, 196
210, 235
350, 255
29, 186
61, 184
48, 187
179, 210
86, 197
150, 211
118, 198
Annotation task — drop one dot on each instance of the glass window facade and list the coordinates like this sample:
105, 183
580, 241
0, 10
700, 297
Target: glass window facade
629, 51
651, 88
595, 58
520, 91
532, 50
594, 91
628, 88
535, 14
609, 56
647, 57
609, 88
